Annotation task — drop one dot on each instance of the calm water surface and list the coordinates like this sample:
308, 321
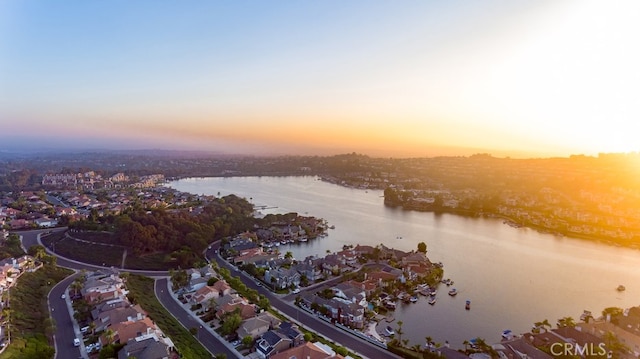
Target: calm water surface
513, 277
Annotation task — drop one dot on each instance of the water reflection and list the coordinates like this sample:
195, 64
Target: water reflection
514, 277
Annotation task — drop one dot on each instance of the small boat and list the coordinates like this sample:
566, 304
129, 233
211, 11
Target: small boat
507, 334
453, 292
390, 305
389, 330
432, 300
413, 299
467, 305
621, 288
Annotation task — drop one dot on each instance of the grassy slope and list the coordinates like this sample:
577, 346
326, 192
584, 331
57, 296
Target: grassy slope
30, 314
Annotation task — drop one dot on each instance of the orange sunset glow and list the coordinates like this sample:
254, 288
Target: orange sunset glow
426, 78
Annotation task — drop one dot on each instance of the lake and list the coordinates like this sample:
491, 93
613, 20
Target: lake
512, 276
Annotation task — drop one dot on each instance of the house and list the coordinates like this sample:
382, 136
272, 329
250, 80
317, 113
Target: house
120, 314
124, 331
204, 294
351, 293
339, 310
308, 270
45, 222
256, 326
272, 342
348, 257
292, 332
368, 286
282, 278
415, 258
601, 328
332, 264
519, 348
198, 283
246, 310
308, 351
146, 347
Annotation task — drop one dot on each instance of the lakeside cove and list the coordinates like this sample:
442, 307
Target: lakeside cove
501, 269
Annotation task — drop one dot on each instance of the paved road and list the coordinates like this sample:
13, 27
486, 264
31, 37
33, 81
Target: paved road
339, 336
65, 328
188, 321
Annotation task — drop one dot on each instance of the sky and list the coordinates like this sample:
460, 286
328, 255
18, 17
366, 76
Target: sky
383, 78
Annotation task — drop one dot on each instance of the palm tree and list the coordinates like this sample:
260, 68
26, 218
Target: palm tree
429, 341
566, 322
92, 327
109, 335
399, 330
466, 345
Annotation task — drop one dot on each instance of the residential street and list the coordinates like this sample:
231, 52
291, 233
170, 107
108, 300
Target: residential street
65, 330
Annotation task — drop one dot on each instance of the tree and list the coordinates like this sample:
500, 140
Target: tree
422, 247
247, 341
399, 330
231, 323
566, 322
288, 255
179, 278
613, 313
109, 335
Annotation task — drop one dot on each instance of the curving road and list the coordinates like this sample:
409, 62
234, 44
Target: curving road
211, 342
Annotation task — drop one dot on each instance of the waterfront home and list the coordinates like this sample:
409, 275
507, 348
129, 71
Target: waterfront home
351, 293
519, 348
364, 250
626, 334
339, 310
415, 258
253, 255
332, 264
348, 257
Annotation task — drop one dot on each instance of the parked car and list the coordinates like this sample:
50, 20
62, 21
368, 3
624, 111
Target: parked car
76, 342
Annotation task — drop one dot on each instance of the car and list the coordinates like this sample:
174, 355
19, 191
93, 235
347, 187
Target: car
235, 343
63, 296
296, 291
76, 342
